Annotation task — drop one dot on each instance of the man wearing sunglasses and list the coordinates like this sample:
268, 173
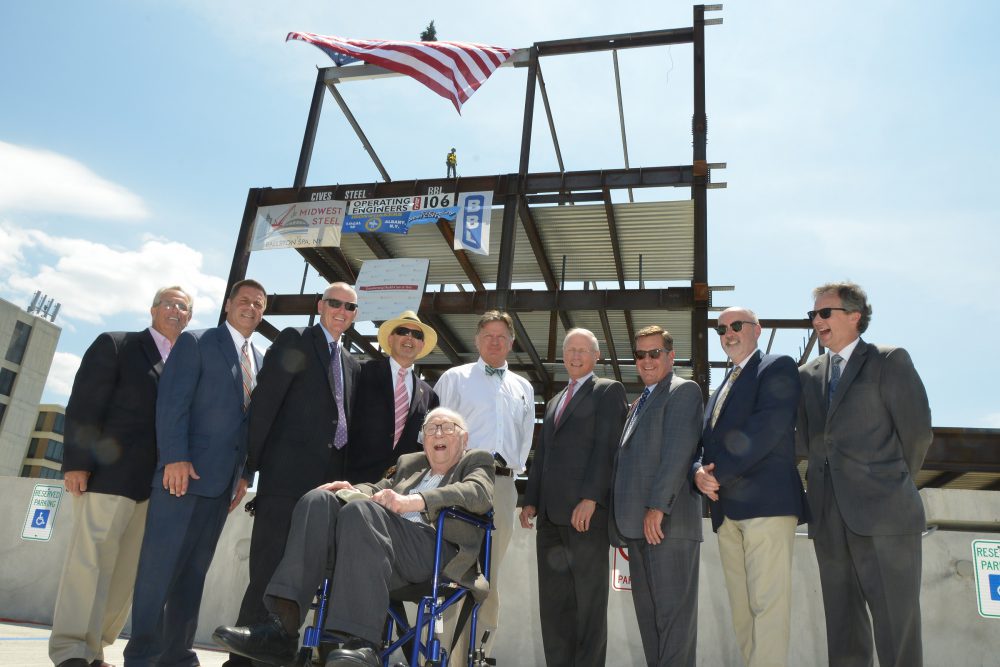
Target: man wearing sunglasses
391, 400
300, 414
655, 511
865, 425
746, 469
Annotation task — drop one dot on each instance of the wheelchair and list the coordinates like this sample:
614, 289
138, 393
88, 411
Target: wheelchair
439, 595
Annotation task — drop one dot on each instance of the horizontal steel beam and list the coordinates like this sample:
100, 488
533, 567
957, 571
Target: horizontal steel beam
520, 301
627, 40
965, 450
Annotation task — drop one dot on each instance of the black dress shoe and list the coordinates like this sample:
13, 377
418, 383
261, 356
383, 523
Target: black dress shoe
354, 652
266, 641
74, 662
237, 661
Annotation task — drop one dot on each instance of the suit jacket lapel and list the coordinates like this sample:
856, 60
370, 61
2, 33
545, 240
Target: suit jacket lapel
227, 346
152, 352
578, 396
322, 350
663, 387
738, 384
850, 372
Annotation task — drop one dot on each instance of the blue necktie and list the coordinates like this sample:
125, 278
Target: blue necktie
834, 376
340, 436
638, 407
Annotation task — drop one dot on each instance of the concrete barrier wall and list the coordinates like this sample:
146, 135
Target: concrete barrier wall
954, 633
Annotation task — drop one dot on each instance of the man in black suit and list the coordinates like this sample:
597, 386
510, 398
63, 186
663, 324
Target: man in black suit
865, 425
746, 468
568, 490
108, 463
391, 400
300, 412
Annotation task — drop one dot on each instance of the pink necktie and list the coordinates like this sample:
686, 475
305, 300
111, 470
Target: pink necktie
248, 379
569, 397
402, 405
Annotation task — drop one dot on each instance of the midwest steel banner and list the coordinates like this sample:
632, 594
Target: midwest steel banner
315, 224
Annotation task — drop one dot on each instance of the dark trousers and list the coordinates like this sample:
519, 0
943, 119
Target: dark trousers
573, 580
177, 548
371, 550
880, 572
271, 522
665, 595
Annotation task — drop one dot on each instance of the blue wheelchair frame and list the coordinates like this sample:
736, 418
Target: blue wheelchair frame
430, 608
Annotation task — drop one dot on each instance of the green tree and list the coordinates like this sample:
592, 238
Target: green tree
429, 34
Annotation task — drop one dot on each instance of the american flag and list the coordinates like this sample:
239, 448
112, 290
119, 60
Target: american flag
453, 70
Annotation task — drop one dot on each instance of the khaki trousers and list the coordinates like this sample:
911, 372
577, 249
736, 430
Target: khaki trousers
95, 591
757, 562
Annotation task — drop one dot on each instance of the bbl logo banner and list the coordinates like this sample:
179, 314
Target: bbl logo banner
472, 228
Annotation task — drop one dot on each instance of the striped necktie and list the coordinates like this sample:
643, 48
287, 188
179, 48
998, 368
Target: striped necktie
566, 400
723, 393
402, 405
248, 379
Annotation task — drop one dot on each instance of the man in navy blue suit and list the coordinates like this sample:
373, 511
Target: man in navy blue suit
746, 469
201, 437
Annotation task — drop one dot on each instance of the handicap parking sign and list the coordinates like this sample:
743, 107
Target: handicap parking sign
995, 586
986, 561
41, 512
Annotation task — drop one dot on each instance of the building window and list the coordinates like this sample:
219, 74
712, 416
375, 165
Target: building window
18, 342
3, 409
40, 422
54, 451
6, 381
60, 424
49, 473
35, 448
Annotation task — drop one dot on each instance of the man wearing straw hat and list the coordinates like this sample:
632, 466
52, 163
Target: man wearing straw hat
391, 400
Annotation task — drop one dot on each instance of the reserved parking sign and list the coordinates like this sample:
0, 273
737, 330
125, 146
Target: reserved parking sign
41, 512
986, 556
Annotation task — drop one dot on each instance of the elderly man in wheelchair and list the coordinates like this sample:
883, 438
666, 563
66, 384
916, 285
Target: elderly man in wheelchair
375, 538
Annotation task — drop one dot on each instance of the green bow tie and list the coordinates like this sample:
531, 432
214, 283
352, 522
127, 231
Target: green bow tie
495, 371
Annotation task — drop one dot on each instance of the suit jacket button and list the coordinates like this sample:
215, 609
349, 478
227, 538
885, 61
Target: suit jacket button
329, 445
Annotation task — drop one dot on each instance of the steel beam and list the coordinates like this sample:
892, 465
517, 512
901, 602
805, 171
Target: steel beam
309, 137
628, 40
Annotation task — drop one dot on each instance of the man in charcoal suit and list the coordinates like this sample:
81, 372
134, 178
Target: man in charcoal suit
865, 425
568, 488
300, 416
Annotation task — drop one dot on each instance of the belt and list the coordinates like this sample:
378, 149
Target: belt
504, 472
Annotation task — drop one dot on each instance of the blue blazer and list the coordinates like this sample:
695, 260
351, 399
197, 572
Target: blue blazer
199, 411
753, 443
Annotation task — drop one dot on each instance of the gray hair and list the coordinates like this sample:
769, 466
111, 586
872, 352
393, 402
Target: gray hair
852, 298
583, 332
172, 288
449, 413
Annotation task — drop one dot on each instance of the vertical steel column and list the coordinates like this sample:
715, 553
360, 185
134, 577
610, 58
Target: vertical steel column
514, 187
699, 283
309, 139
241, 256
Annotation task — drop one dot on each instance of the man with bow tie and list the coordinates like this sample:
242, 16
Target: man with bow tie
499, 407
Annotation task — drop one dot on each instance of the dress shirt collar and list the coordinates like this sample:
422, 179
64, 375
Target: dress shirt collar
238, 341
163, 344
846, 353
482, 367
329, 336
582, 381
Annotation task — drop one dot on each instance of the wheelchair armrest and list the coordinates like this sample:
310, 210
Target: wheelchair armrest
482, 521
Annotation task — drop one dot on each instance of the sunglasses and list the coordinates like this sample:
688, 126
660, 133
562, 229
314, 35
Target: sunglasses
736, 326
824, 313
652, 354
417, 334
337, 303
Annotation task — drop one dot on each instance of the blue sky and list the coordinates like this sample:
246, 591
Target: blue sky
861, 141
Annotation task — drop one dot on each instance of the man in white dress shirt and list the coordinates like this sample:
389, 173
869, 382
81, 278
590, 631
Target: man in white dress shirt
499, 407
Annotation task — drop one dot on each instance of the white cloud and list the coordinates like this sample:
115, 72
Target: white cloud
61, 374
41, 181
94, 281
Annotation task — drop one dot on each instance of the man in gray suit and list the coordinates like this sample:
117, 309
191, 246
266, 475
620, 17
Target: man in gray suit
865, 425
568, 491
655, 510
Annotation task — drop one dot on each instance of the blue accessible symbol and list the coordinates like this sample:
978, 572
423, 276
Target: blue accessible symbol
995, 586
41, 518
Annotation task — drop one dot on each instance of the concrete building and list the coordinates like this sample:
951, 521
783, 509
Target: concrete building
45, 449
27, 345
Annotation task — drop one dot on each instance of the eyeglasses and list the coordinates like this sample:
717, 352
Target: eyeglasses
173, 305
652, 354
448, 428
337, 303
736, 326
824, 313
417, 334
